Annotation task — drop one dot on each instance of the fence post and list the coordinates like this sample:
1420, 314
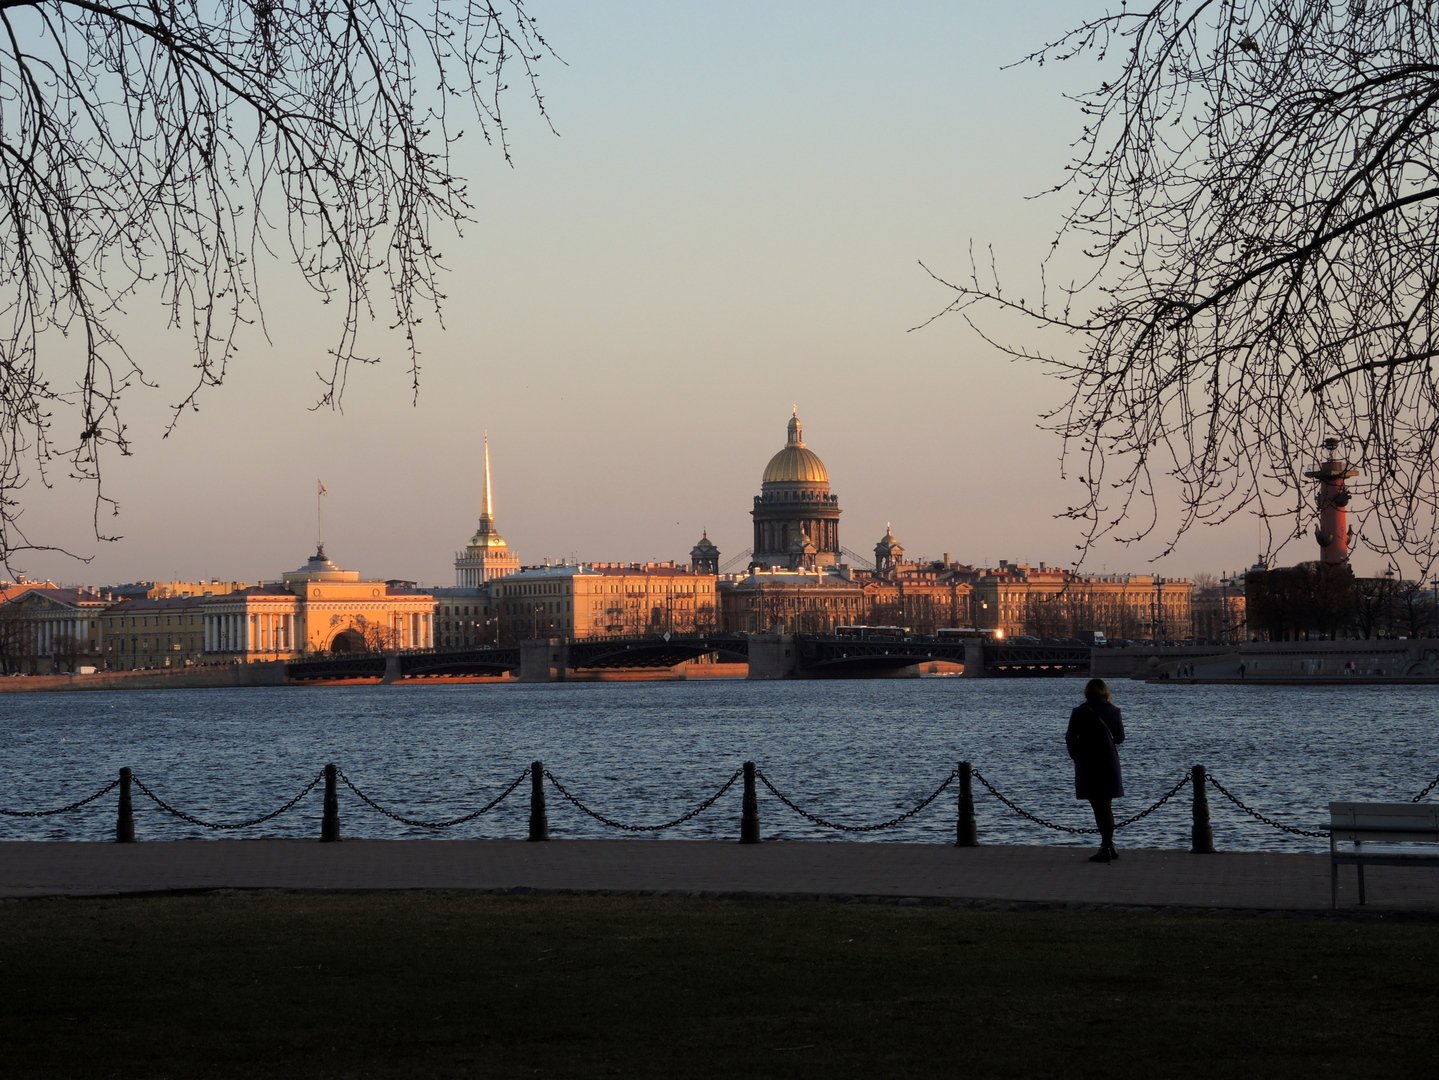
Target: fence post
1203, 837
330, 823
749, 809
539, 823
125, 817
966, 832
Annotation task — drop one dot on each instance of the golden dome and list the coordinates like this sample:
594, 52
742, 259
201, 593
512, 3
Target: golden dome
796, 463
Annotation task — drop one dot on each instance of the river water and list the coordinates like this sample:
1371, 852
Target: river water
853, 752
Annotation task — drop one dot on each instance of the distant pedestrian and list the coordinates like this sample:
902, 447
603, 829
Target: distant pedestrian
1095, 731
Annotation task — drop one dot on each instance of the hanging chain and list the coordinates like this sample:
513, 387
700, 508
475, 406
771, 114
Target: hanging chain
1427, 789
1322, 834
891, 823
1079, 830
226, 825
111, 786
1175, 790
1022, 812
612, 823
373, 805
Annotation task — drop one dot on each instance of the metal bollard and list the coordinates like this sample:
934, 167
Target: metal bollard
539, 823
125, 817
749, 809
1203, 836
966, 832
330, 823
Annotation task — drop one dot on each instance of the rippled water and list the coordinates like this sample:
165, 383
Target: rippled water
854, 752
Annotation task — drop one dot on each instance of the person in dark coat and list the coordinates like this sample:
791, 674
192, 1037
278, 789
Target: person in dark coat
1092, 739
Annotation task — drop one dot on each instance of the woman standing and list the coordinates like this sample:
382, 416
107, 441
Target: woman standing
1095, 732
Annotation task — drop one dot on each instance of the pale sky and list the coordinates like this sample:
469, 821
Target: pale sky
729, 222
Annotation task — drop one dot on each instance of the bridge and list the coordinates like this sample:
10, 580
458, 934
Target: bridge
656, 652
771, 656
823, 656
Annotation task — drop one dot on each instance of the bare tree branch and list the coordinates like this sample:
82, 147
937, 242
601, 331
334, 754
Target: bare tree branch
168, 148
1254, 194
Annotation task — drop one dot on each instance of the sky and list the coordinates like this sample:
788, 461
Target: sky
729, 222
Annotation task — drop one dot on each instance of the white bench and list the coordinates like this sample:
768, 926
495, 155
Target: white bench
1400, 829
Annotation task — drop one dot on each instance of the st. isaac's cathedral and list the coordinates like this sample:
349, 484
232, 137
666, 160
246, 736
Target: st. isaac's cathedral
796, 519
799, 578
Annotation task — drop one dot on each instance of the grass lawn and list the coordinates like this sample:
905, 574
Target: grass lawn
423, 984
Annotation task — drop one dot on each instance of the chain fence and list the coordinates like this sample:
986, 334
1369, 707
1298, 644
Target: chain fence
839, 826
67, 808
1166, 797
226, 826
1321, 834
564, 790
433, 825
1080, 830
623, 827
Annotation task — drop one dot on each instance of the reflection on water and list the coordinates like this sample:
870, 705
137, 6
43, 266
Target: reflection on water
851, 751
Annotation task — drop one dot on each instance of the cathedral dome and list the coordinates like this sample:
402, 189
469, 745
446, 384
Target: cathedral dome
796, 463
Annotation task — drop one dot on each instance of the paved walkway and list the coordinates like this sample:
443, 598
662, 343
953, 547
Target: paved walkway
1003, 875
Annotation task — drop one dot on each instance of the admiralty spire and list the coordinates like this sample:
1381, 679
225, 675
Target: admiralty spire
487, 556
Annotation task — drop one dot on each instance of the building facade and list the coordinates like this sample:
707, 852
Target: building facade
798, 601
923, 596
591, 600
46, 629
1049, 602
154, 632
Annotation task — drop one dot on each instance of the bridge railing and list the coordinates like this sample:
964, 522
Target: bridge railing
967, 829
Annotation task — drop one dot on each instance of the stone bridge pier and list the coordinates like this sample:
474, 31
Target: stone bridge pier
773, 656
544, 661
974, 659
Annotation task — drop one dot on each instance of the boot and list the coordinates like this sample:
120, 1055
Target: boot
1102, 855
1113, 854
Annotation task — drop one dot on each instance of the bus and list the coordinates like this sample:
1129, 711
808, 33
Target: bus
951, 633
873, 633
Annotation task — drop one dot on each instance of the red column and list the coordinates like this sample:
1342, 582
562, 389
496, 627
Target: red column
1332, 532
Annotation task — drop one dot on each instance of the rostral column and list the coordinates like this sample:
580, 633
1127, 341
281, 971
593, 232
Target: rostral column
1333, 532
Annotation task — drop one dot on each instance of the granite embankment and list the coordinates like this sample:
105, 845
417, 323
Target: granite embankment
216, 675
273, 674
